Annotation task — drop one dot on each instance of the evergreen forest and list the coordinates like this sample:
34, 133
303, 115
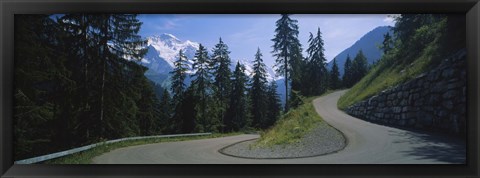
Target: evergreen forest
78, 81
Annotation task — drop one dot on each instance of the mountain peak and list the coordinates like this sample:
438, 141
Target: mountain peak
168, 35
165, 37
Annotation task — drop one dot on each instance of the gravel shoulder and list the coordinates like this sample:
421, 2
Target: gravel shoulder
323, 139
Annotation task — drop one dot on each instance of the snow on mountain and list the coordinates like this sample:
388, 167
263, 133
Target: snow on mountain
163, 51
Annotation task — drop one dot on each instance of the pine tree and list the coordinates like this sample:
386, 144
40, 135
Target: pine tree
334, 76
258, 90
118, 41
316, 71
79, 43
178, 76
220, 63
220, 66
178, 88
237, 113
287, 50
201, 87
347, 74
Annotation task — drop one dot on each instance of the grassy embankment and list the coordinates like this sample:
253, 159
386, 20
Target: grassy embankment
399, 65
292, 126
85, 157
383, 76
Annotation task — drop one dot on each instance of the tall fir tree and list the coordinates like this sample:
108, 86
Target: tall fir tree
118, 41
178, 88
334, 76
258, 90
237, 114
316, 72
287, 51
78, 41
201, 87
178, 76
220, 66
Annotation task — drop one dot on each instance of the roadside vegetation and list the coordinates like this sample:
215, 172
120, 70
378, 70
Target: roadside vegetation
292, 126
419, 44
86, 157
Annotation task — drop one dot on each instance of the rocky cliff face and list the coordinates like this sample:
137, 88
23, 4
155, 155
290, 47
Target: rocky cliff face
435, 100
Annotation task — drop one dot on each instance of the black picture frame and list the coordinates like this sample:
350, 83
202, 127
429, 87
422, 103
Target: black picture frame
8, 8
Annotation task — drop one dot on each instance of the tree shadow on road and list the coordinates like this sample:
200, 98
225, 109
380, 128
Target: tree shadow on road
433, 146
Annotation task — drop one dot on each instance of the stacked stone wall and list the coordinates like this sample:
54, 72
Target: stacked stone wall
435, 100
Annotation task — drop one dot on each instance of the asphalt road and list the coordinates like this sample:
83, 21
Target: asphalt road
368, 143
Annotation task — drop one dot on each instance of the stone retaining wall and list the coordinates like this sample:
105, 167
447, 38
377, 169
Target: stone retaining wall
435, 100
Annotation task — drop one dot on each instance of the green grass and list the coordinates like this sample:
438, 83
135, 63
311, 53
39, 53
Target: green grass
85, 157
292, 126
384, 76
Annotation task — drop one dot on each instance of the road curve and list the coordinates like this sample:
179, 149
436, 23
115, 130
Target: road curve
368, 143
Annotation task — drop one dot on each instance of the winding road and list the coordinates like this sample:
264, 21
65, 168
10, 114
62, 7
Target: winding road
368, 143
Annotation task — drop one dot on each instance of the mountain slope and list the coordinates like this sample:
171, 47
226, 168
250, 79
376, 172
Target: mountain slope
368, 44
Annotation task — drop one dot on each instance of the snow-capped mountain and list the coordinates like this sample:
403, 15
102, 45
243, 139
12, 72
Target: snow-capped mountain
163, 52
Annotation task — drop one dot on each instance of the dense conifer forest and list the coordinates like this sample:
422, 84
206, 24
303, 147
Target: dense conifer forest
78, 81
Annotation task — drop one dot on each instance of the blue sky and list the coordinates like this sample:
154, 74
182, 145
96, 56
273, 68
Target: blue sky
243, 33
